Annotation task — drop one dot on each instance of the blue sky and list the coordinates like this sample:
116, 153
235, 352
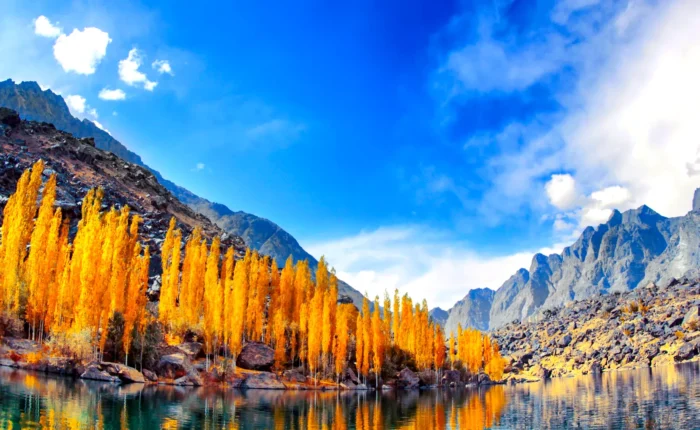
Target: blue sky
430, 146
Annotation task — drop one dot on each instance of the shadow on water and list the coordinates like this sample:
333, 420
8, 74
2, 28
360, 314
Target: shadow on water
666, 398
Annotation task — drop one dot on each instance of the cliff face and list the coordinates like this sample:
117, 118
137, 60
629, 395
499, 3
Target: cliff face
471, 311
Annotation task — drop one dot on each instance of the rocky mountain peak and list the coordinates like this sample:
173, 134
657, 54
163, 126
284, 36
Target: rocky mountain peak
696, 200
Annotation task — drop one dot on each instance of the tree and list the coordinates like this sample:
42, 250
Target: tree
17, 227
240, 302
41, 262
212, 297
170, 279
342, 334
439, 350
359, 344
366, 336
136, 291
378, 343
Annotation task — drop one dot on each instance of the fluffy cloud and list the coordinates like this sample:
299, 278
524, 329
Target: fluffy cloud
561, 190
199, 167
76, 103
163, 66
43, 27
419, 261
79, 106
129, 71
81, 51
107, 94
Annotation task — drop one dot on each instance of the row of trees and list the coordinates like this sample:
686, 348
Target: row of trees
63, 287
77, 287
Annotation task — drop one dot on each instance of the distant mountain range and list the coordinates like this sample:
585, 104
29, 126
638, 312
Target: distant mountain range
34, 104
631, 249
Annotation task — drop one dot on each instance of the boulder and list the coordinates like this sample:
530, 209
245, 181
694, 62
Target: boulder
9, 117
692, 317
94, 373
564, 341
150, 376
294, 375
256, 356
174, 366
540, 372
451, 378
125, 373
263, 381
483, 379
407, 379
191, 379
192, 349
686, 351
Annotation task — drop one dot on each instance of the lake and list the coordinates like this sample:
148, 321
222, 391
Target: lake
668, 397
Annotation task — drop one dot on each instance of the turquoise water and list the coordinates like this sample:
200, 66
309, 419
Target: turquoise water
665, 398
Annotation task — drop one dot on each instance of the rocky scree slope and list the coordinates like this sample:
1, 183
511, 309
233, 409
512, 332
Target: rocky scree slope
647, 327
33, 103
80, 166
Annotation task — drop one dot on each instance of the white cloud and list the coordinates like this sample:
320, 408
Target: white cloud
612, 197
418, 261
107, 94
163, 66
81, 51
129, 71
199, 166
561, 190
43, 27
79, 106
76, 104
100, 126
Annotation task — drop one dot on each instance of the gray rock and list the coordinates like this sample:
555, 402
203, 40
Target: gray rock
94, 373
691, 317
686, 351
407, 379
564, 341
256, 356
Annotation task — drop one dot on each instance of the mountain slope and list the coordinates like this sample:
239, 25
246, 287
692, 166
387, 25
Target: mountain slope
80, 166
33, 103
471, 311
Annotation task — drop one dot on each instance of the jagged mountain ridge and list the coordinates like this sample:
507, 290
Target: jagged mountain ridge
471, 311
632, 249
33, 103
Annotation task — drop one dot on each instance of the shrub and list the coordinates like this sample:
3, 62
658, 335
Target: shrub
34, 357
679, 334
78, 345
10, 325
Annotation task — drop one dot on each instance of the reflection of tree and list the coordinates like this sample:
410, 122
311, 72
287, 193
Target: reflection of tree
35, 401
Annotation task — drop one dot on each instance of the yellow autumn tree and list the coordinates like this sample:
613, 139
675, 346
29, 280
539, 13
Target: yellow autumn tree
378, 342
212, 297
170, 275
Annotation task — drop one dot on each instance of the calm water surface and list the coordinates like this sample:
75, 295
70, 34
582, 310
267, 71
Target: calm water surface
667, 398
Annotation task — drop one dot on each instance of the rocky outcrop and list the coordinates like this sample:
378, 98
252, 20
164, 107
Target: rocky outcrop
94, 372
256, 356
639, 328
262, 381
407, 379
174, 366
472, 311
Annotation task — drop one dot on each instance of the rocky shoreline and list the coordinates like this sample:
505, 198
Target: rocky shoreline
647, 327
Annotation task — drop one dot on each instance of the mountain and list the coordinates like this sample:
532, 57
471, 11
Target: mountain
632, 249
471, 311
80, 166
439, 316
33, 103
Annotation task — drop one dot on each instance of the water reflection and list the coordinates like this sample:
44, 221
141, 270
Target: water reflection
667, 398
